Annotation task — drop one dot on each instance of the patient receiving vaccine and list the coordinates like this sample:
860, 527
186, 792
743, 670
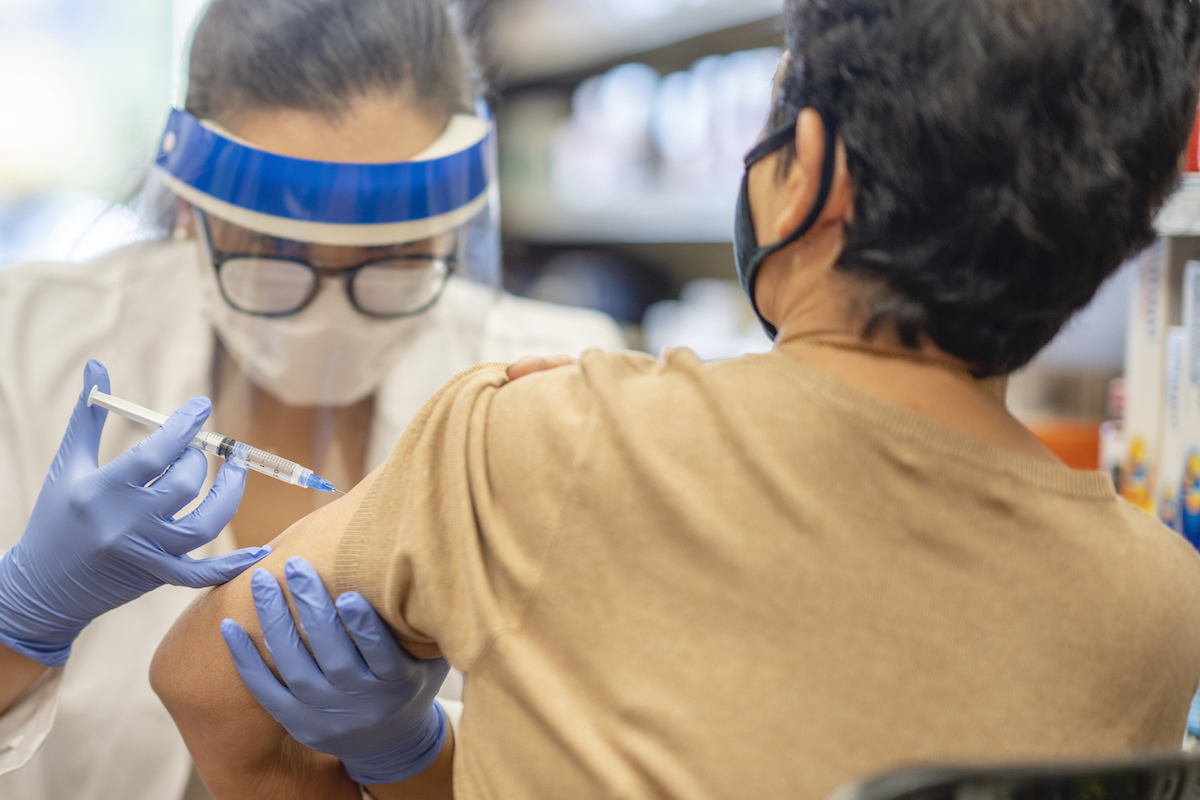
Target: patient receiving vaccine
763, 577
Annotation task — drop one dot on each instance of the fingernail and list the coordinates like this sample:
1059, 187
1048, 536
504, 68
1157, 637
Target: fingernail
261, 579
93, 376
296, 568
198, 405
229, 628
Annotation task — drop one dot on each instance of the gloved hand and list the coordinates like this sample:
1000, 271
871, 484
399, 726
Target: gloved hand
371, 706
100, 537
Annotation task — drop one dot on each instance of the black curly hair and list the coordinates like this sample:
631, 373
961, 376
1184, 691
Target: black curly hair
1007, 155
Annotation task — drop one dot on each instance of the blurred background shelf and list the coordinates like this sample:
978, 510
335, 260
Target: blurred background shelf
543, 40
649, 217
622, 125
1181, 215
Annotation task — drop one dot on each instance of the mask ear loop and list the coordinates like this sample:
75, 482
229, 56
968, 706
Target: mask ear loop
774, 141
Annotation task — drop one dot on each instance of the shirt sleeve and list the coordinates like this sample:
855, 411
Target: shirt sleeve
24, 727
451, 540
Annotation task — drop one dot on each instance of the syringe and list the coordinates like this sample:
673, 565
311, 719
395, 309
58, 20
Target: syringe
221, 446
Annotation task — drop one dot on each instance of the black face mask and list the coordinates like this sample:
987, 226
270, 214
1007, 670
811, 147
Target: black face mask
748, 255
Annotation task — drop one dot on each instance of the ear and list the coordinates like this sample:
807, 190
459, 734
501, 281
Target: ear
803, 182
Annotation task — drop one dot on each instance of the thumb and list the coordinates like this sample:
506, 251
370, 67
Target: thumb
80, 447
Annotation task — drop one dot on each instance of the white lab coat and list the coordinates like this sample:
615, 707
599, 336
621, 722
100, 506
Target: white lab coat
137, 310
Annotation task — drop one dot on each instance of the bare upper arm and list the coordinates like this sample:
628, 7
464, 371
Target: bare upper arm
192, 665
232, 738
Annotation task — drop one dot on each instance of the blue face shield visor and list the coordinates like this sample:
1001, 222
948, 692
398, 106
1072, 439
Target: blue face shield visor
450, 187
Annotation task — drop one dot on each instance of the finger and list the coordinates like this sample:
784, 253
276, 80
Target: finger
205, 572
292, 660
80, 446
531, 364
148, 460
332, 648
210, 517
269, 693
181, 483
380, 650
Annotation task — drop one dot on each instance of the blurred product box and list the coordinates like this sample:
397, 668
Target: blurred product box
1192, 156
1189, 404
1172, 440
1145, 378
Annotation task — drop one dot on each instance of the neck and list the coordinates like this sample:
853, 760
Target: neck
806, 297
305, 434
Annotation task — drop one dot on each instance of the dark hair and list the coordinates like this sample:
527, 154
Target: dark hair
321, 55
1007, 155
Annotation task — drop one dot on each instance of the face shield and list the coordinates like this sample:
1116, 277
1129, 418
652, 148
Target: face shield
316, 274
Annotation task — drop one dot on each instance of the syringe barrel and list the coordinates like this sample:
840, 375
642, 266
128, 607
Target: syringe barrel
218, 445
269, 464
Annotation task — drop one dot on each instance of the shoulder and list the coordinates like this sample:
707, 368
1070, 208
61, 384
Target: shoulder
142, 294
672, 383
621, 386
136, 309
1158, 560
1166, 548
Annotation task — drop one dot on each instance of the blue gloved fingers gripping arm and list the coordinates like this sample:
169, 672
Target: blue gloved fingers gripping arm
332, 649
386, 659
292, 660
254, 672
384, 731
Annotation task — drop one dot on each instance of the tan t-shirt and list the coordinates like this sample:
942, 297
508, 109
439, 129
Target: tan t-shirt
749, 580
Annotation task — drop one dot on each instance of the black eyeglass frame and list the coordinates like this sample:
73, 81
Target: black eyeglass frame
220, 257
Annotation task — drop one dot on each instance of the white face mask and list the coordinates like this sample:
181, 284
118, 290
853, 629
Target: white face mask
326, 355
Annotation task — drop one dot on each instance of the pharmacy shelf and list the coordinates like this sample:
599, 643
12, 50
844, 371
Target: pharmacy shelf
705, 216
1181, 215
543, 39
649, 217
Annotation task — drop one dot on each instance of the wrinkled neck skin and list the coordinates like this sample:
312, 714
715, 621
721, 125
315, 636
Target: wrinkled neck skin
804, 296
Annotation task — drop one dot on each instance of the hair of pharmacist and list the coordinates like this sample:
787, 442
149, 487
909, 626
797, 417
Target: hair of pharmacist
322, 55
1006, 156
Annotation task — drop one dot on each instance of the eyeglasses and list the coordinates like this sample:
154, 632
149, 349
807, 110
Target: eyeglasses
401, 285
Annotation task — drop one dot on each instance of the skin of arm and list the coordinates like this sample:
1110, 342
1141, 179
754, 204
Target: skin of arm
17, 673
239, 750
